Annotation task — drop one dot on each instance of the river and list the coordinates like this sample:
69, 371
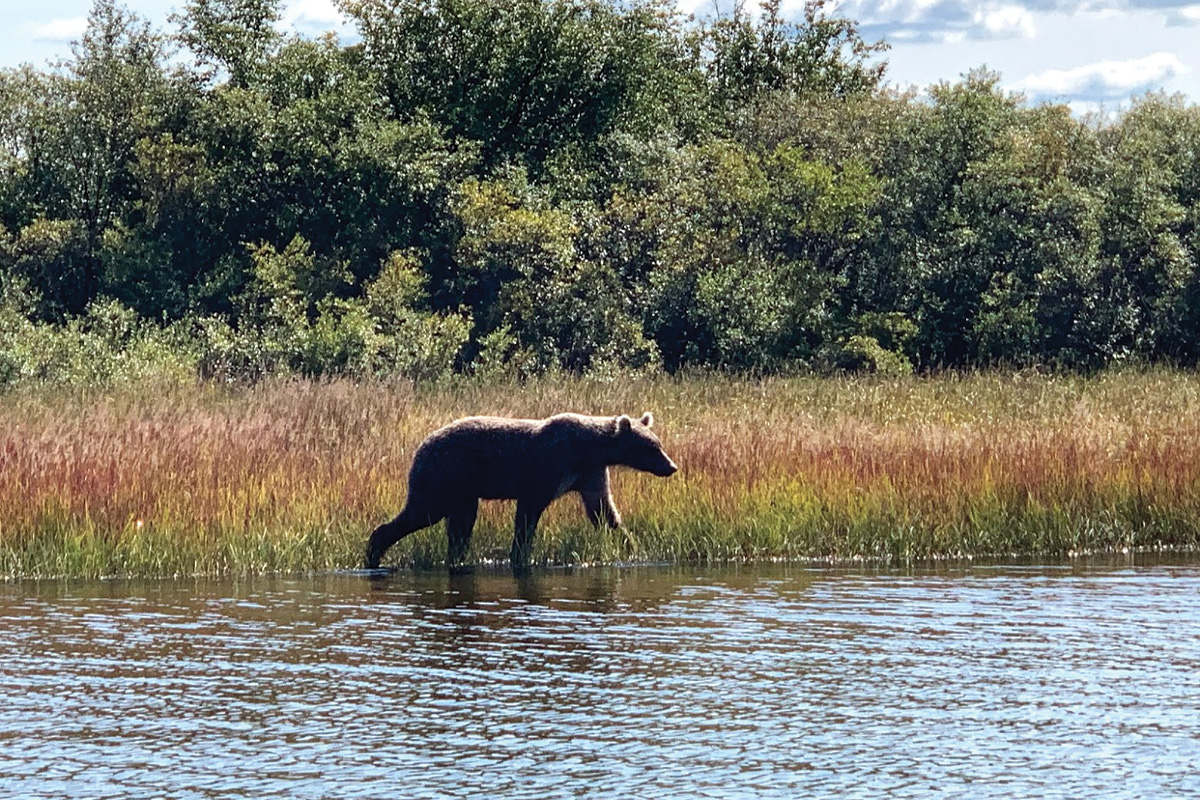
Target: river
1073, 680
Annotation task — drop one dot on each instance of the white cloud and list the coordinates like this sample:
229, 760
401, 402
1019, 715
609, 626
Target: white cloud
1188, 15
58, 30
909, 10
918, 21
1085, 108
312, 13
701, 7
942, 21
1104, 79
1007, 22
315, 18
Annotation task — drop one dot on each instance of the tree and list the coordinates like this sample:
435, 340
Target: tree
1148, 271
529, 80
234, 37
534, 298
746, 254
925, 256
72, 149
748, 56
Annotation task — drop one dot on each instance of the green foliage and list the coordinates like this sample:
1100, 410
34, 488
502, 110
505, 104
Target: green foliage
522, 274
860, 353
881, 343
751, 55
529, 81
1148, 258
407, 341
235, 36
15, 327
294, 321
745, 249
52, 255
571, 185
107, 345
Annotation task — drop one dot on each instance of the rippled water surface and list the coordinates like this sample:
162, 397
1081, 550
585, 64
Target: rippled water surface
1074, 681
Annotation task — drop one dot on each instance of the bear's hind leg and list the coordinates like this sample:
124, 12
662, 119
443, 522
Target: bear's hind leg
528, 514
408, 521
459, 524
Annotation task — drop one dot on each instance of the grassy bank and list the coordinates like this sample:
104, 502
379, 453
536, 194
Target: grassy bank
291, 475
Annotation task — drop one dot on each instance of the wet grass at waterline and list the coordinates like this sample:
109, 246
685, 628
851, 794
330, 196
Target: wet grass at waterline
291, 476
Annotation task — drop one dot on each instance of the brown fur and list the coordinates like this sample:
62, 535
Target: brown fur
530, 461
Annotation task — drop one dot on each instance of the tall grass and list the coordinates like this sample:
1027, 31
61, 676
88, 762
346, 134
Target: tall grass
191, 479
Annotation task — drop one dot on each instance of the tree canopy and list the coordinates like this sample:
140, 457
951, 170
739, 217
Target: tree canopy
571, 184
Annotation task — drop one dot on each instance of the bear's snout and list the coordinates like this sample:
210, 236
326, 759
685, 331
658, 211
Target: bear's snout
668, 469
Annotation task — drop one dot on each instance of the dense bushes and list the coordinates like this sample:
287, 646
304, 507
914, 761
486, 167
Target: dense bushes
570, 184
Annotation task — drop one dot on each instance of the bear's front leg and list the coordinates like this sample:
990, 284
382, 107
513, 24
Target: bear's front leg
597, 499
528, 513
600, 509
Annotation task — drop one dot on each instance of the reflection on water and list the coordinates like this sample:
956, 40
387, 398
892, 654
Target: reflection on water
1080, 681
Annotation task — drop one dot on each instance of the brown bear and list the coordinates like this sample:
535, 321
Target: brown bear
528, 460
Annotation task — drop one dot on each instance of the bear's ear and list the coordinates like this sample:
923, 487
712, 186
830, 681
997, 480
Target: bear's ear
624, 424
648, 419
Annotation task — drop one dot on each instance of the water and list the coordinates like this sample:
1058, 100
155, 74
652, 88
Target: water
1072, 681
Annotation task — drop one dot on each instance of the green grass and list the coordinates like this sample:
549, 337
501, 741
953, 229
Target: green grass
290, 476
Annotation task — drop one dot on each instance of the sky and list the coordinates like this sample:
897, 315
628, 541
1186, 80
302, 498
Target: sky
1092, 54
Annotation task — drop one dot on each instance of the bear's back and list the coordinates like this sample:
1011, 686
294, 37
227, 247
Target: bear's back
502, 457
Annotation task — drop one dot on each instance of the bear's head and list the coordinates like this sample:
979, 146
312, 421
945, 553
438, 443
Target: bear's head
636, 446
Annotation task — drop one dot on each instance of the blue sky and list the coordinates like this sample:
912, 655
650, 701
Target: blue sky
1090, 53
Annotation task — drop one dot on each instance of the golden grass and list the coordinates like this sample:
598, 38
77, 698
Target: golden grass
292, 475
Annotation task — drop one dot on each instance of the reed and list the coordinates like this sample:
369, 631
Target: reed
287, 476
